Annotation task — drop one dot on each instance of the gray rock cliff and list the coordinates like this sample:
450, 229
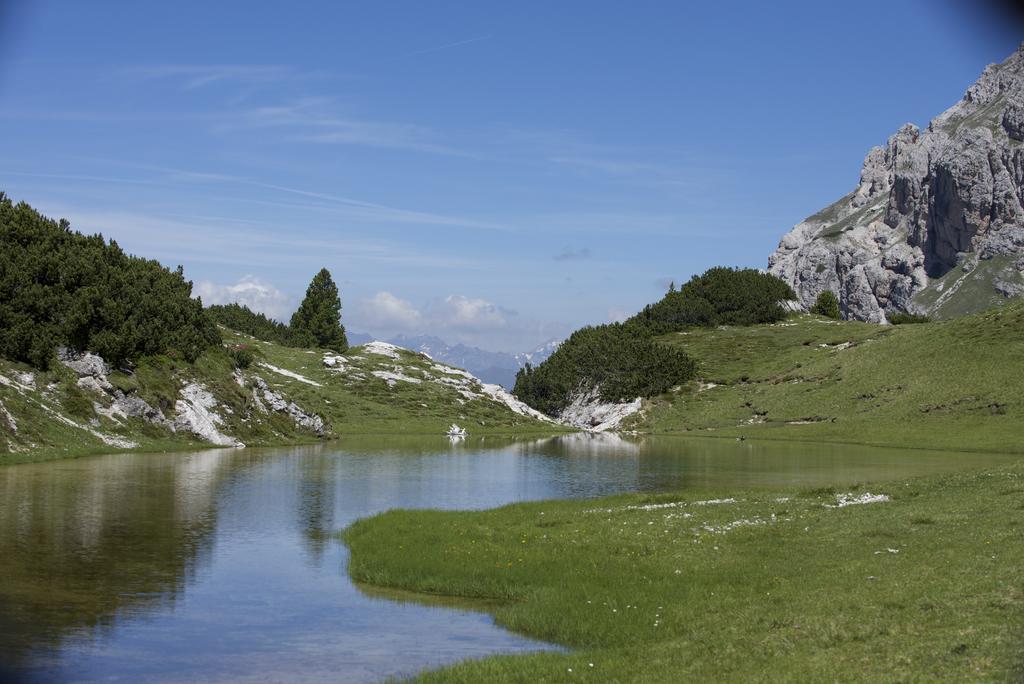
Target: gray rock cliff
936, 223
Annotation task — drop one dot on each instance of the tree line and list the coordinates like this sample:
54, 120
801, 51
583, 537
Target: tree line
59, 288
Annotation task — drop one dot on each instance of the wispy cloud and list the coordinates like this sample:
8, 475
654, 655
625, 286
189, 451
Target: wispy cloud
349, 206
176, 241
447, 46
315, 120
193, 76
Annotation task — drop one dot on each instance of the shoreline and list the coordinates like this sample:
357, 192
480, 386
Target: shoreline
916, 576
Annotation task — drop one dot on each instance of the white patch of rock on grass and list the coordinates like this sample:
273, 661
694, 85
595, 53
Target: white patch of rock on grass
588, 412
502, 396
267, 399
391, 377
8, 418
850, 499
24, 389
196, 415
289, 374
381, 349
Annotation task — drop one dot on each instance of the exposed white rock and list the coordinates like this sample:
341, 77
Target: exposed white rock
391, 377
502, 396
26, 378
381, 349
99, 384
456, 431
289, 374
335, 362
83, 364
267, 399
196, 414
8, 418
588, 411
849, 499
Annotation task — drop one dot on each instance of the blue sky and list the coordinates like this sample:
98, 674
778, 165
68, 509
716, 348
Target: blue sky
492, 173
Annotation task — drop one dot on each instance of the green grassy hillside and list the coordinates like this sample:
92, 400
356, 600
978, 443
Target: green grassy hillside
49, 414
956, 384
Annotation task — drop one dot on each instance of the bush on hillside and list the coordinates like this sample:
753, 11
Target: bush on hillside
900, 318
827, 305
59, 287
619, 359
241, 356
720, 296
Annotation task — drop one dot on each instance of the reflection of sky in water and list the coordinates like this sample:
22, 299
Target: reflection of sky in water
221, 565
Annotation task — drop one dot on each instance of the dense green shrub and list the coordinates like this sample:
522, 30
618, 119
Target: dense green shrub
827, 305
900, 318
245, 320
241, 356
59, 287
317, 322
621, 360
720, 296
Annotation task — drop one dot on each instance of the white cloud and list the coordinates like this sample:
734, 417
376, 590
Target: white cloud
617, 315
466, 313
387, 312
248, 291
455, 315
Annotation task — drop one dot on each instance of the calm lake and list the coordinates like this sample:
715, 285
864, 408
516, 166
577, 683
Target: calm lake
223, 565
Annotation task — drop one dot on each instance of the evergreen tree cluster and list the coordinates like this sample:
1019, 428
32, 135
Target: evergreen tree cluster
720, 296
620, 359
61, 288
624, 361
316, 323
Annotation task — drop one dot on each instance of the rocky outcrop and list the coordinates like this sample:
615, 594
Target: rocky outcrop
268, 400
928, 204
196, 413
92, 373
589, 412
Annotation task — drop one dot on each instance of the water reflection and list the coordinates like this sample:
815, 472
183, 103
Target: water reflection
223, 564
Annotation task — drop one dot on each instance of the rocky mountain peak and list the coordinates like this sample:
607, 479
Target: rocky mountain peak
936, 222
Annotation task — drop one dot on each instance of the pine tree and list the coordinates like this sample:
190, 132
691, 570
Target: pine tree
317, 322
827, 304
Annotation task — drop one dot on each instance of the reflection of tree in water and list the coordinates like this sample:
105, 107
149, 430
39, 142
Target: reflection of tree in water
84, 544
317, 482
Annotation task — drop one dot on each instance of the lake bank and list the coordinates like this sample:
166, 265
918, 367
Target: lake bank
911, 578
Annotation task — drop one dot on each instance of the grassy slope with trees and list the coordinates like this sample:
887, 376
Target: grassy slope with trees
623, 361
59, 288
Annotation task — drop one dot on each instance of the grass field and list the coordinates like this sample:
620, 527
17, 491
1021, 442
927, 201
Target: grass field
956, 384
732, 586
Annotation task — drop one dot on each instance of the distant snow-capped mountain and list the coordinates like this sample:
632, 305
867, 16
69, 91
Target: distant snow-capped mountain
498, 368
